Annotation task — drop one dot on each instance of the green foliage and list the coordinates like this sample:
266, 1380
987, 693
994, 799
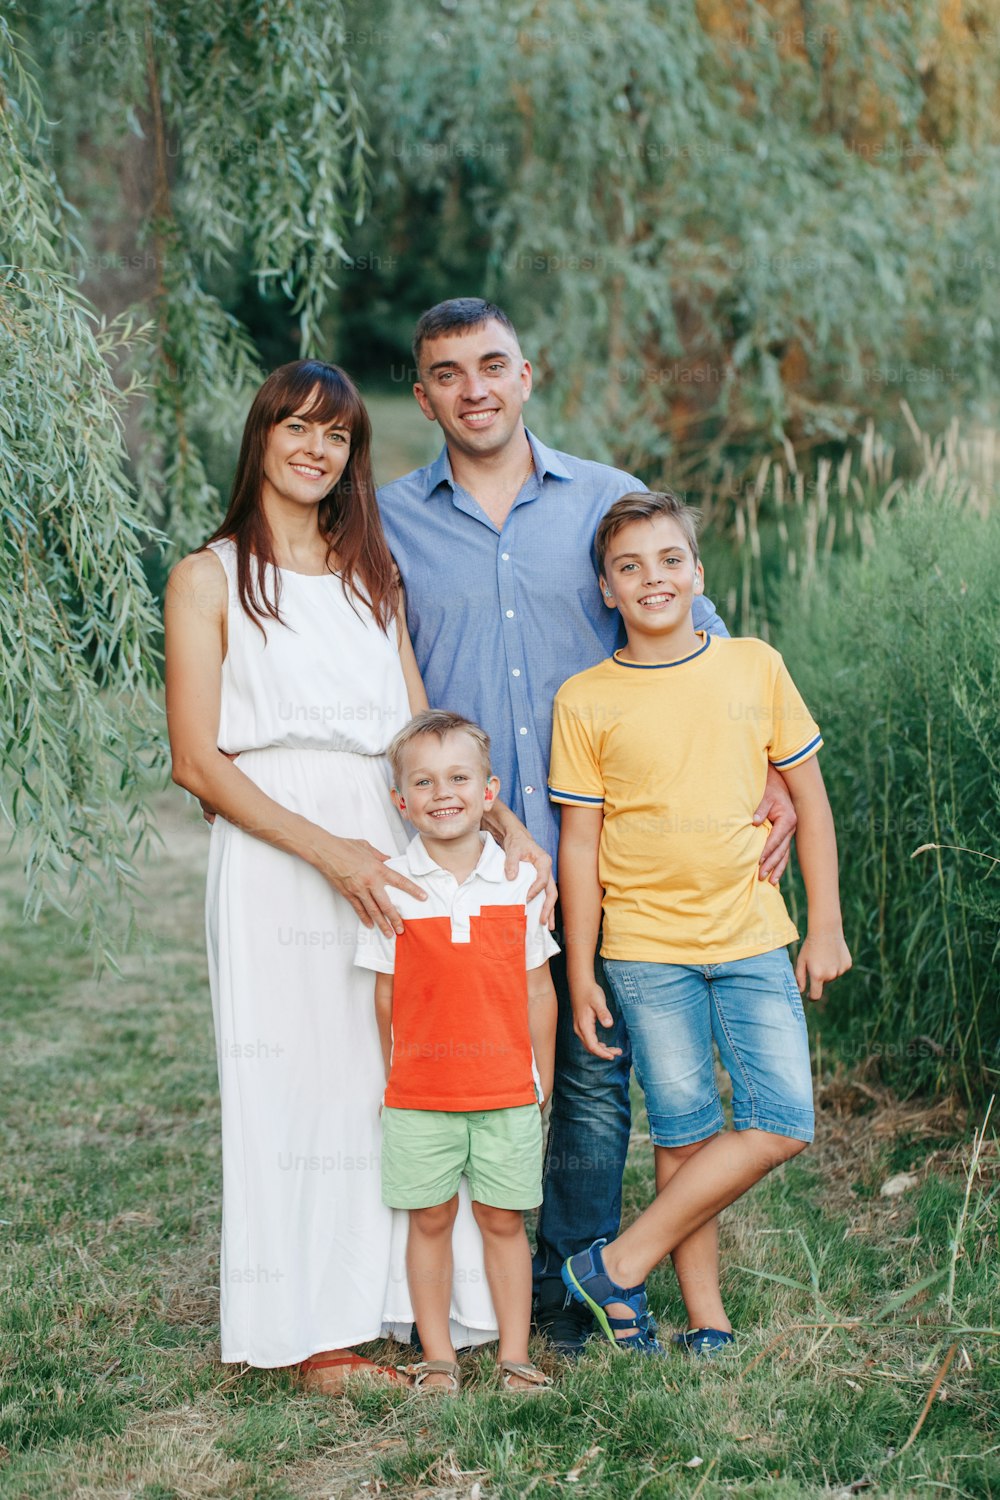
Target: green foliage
76, 617
216, 136
238, 134
712, 225
897, 653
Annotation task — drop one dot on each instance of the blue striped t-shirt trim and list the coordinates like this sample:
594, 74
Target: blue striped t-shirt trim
656, 666
555, 795
793, 760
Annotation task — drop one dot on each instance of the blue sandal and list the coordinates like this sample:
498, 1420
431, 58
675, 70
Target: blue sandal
704, 1343
589, 1283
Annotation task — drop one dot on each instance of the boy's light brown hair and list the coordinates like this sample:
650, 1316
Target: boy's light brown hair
646, 505
440, 722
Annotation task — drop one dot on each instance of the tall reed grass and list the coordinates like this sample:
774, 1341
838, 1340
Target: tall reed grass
883, 593
780, 522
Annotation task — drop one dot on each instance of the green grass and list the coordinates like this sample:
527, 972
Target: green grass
109, 1368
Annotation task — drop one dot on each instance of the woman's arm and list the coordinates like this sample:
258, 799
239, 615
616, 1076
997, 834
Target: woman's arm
415, 690
195, 611
582, 900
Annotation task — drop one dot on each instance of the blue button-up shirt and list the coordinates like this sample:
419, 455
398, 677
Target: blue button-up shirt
499, 618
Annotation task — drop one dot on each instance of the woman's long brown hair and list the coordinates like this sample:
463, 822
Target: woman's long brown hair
348, 515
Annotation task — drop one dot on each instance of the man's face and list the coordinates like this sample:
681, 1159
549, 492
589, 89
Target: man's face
474, 384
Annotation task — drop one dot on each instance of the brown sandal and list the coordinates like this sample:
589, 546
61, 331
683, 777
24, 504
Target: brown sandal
419, 1373
536, 1381
326, 1374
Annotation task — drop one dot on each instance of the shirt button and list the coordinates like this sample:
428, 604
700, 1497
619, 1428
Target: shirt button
516, 672
510, 614
505, 556
529, 790
522, 731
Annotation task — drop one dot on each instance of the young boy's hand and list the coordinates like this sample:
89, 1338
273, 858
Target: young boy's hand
590, 1005
822, 958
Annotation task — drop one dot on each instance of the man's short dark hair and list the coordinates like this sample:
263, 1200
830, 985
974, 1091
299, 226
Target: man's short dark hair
455, 316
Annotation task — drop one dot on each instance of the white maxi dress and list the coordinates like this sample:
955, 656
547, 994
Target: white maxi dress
311, 1258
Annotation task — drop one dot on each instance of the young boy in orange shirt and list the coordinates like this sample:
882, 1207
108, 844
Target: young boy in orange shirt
466, 1012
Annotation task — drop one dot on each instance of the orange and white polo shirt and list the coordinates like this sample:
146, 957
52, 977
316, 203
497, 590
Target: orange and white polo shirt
460, 1038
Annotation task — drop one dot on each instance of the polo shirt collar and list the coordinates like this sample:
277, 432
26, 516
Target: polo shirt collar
490, 867
547, 461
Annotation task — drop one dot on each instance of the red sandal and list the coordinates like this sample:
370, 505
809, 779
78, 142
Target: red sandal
326, 1374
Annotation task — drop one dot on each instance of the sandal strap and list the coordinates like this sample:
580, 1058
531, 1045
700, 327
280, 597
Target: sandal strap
624, 1323
529, 1373
419, 1372
342, 1362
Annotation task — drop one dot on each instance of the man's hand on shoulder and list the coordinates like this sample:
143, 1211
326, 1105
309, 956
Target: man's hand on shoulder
519, 847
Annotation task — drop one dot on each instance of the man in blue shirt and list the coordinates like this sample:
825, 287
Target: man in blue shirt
494, 541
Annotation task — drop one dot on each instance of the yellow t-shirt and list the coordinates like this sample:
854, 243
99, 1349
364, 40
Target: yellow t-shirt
676, 754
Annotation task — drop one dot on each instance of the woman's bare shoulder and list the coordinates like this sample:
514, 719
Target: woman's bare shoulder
199, 578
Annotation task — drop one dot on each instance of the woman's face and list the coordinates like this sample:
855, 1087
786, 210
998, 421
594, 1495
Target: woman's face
304, 459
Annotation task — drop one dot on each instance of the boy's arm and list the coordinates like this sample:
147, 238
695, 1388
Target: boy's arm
824, 954
542, 1025
582, 899
383, 1015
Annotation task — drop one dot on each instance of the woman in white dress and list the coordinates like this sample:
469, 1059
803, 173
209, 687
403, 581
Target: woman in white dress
289, 669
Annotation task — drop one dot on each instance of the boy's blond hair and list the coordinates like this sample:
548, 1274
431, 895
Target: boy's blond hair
646, 505
441, 722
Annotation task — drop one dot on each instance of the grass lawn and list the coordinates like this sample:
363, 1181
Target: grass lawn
110, 1383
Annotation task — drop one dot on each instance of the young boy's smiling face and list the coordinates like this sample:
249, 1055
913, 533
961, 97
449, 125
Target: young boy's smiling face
651, 576
444, 786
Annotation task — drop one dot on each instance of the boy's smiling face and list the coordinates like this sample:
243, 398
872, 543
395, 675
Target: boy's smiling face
651, 576
444, 787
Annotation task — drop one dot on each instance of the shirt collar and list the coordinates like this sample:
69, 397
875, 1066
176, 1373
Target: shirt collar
547, 461
490, 867
705, 639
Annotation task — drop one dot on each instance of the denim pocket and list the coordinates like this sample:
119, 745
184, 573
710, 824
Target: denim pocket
793, 996
622, 981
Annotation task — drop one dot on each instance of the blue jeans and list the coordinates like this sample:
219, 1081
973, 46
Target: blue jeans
589, 1126
752, 1009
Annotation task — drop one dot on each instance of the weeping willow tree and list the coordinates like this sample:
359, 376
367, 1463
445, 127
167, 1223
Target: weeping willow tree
76, 618
718, 225
205, 142
224, 135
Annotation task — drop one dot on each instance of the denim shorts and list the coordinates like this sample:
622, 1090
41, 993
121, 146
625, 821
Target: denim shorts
752, 1009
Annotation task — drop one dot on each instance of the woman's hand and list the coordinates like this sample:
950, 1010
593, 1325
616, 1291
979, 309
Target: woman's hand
357, 870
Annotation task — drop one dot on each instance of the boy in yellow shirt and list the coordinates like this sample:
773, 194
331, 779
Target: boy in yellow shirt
659, 757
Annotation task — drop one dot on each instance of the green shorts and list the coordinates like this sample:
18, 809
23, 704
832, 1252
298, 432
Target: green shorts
426, 1151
